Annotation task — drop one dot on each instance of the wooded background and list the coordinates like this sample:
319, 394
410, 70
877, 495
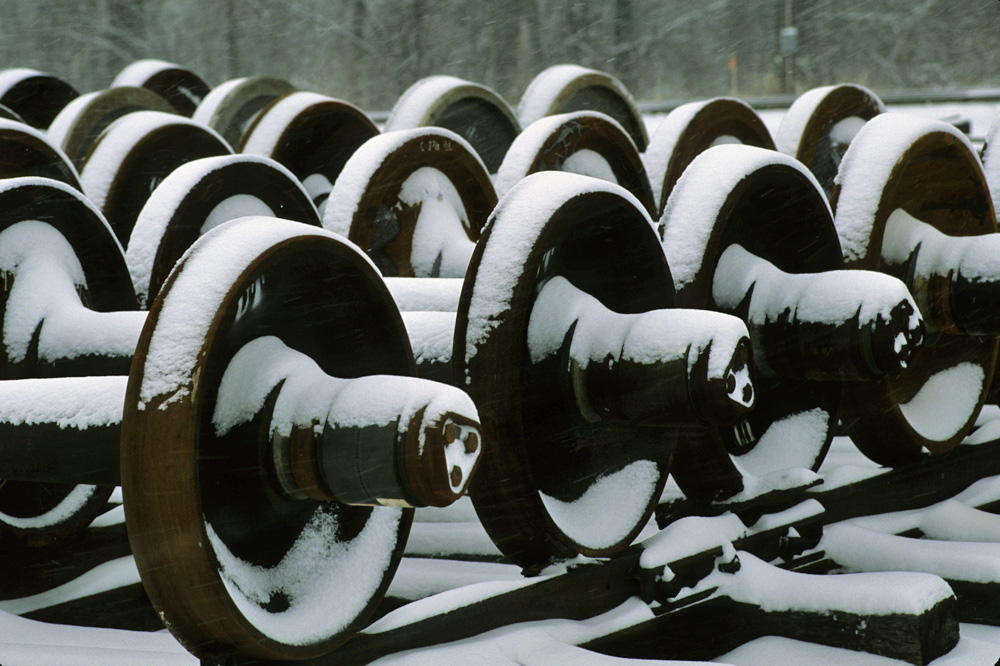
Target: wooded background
369, 51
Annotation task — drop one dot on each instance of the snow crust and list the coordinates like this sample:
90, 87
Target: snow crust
972, 257
64, 510
328, 582
551, 82
446, 538
416, 102
693, 206
105, 576
431, 335
45, 263
211, 102
609, 509
527, 146
102, 165
11, 77
263, 138
60, 125
517, 221
68, 402
950, 520
429, 295
945, 402
791, 442
140, 71
211, 266
418, 578
866, 168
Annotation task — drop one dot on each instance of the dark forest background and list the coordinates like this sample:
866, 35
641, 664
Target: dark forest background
369, 51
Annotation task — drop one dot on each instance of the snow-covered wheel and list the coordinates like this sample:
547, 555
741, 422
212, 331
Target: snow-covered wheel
911, 200
231, 106
35, 96
199, 196
566, 88
8, 113
78, 125
694, 127
311, 134
415, 200
473, 111
238, 546
579, 432
819, 126
25, 151
180, 86
584, 142
73, 236
134, 154
749, 231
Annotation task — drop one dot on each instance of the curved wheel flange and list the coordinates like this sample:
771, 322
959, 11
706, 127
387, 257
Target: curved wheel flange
585, 142
201, 195
24, 151
821, 123
691, 129
313, 135
33, 514
553, 484
770, 205
134, 154
35, 96
565, 88
231, 106
78, 125
928, 170
229, 559
414, 200
473, 111
180, 86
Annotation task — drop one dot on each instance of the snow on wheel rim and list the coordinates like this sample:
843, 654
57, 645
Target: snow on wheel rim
694, 127
589, 143
35, 96
565, 88
821, 123
906, 167
27, 152
771, 205
50, 513
311, 134
291, 578
232, 106
180, 86
473, 111
596, 234
134, 154
78, 125
201, 195
415, 200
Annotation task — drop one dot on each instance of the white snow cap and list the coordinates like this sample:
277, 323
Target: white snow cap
213, 100
415, 103
866, 168
14, 126
549, 83
263, 137
141, 71
693, 205
991, 161
11, 77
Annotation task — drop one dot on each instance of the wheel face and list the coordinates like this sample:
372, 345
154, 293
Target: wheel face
76, 128
25, 152
552, 484
930, 172
474, 112
415, 201
775, 210
201, 195
37, 513
693, 128
831, 125
181, 87
37, 97
316, 136
567, 88
588, 143
134, 155
277, 577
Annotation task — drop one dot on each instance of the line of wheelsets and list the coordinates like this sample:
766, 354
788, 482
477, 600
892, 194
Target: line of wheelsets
279, 327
